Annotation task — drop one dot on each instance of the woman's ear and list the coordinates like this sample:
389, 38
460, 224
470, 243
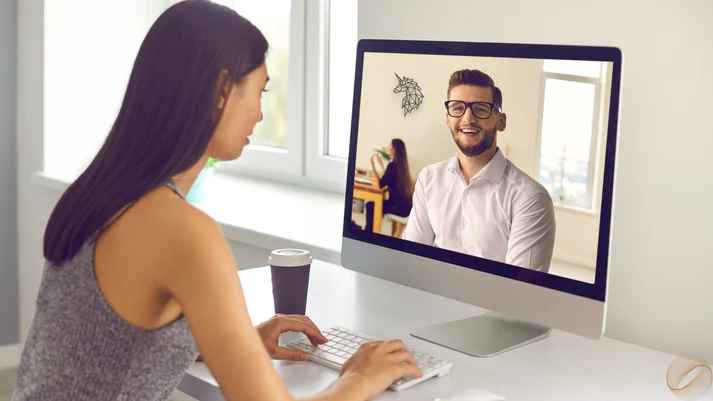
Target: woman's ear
223, 86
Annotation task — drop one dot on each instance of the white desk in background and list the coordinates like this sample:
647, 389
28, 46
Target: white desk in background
562, 367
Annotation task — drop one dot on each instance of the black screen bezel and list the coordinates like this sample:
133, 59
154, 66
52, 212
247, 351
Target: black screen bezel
596, 290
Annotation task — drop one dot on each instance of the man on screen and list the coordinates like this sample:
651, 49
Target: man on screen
478, 202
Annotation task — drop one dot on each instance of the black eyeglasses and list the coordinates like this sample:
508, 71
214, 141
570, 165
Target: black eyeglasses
482, 110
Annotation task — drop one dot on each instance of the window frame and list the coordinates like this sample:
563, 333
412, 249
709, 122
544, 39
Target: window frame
595, 140
305, 161
272, 162
319, 164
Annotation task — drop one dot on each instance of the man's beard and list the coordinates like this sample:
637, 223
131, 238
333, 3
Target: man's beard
478, 148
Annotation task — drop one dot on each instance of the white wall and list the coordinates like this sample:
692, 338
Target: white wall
8, 173
661, 273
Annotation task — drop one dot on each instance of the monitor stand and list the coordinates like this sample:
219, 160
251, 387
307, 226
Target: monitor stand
483, 336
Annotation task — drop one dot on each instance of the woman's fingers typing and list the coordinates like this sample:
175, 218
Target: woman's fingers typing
382, 363
402, 357
393, 345
270, 333
301, 324
310, 329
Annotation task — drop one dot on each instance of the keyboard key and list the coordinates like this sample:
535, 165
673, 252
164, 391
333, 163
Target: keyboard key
343, 344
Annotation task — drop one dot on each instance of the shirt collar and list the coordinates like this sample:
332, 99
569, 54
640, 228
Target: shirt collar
493, 171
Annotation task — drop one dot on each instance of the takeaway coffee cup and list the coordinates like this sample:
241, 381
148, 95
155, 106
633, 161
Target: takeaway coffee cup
290, 279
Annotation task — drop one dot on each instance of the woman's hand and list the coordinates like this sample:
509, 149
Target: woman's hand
376, 365
270, 333
374, 171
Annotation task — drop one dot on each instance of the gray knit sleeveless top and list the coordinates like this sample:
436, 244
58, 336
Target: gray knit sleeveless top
79, 349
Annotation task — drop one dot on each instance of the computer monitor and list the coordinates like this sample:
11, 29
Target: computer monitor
511, 150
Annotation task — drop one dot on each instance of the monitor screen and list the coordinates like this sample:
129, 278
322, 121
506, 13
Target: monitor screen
496, 157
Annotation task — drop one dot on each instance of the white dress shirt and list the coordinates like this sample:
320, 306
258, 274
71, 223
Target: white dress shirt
501, 214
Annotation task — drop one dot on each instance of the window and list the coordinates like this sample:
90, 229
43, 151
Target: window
570, 131
90, 85
273, 20
316, 83
304, 135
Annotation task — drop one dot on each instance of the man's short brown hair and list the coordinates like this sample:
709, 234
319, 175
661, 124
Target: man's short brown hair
476, 78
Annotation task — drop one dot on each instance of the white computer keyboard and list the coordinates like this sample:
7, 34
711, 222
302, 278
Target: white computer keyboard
343, 343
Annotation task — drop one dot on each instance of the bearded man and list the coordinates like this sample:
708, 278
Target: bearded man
477, 202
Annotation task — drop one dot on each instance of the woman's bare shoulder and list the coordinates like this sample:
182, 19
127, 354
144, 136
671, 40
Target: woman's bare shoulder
163, 228
186, 244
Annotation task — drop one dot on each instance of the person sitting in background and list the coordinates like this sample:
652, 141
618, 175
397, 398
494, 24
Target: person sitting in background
397, 177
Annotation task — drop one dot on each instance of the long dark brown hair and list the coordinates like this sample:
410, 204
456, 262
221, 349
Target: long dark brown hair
166, 119
404, 182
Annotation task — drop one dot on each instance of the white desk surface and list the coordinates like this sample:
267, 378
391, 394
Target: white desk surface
562, 367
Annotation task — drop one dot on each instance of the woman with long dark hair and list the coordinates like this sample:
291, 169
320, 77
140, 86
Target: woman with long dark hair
137, 281
397, 178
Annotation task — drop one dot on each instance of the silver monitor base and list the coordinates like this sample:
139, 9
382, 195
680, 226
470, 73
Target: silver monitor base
482, 336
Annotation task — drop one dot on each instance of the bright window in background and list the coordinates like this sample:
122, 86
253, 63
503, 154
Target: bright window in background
342, 61
273, 19
591, 69
568, 144
84, 89
85, 76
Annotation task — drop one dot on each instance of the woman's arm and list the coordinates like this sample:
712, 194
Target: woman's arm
201, 276
377, 174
